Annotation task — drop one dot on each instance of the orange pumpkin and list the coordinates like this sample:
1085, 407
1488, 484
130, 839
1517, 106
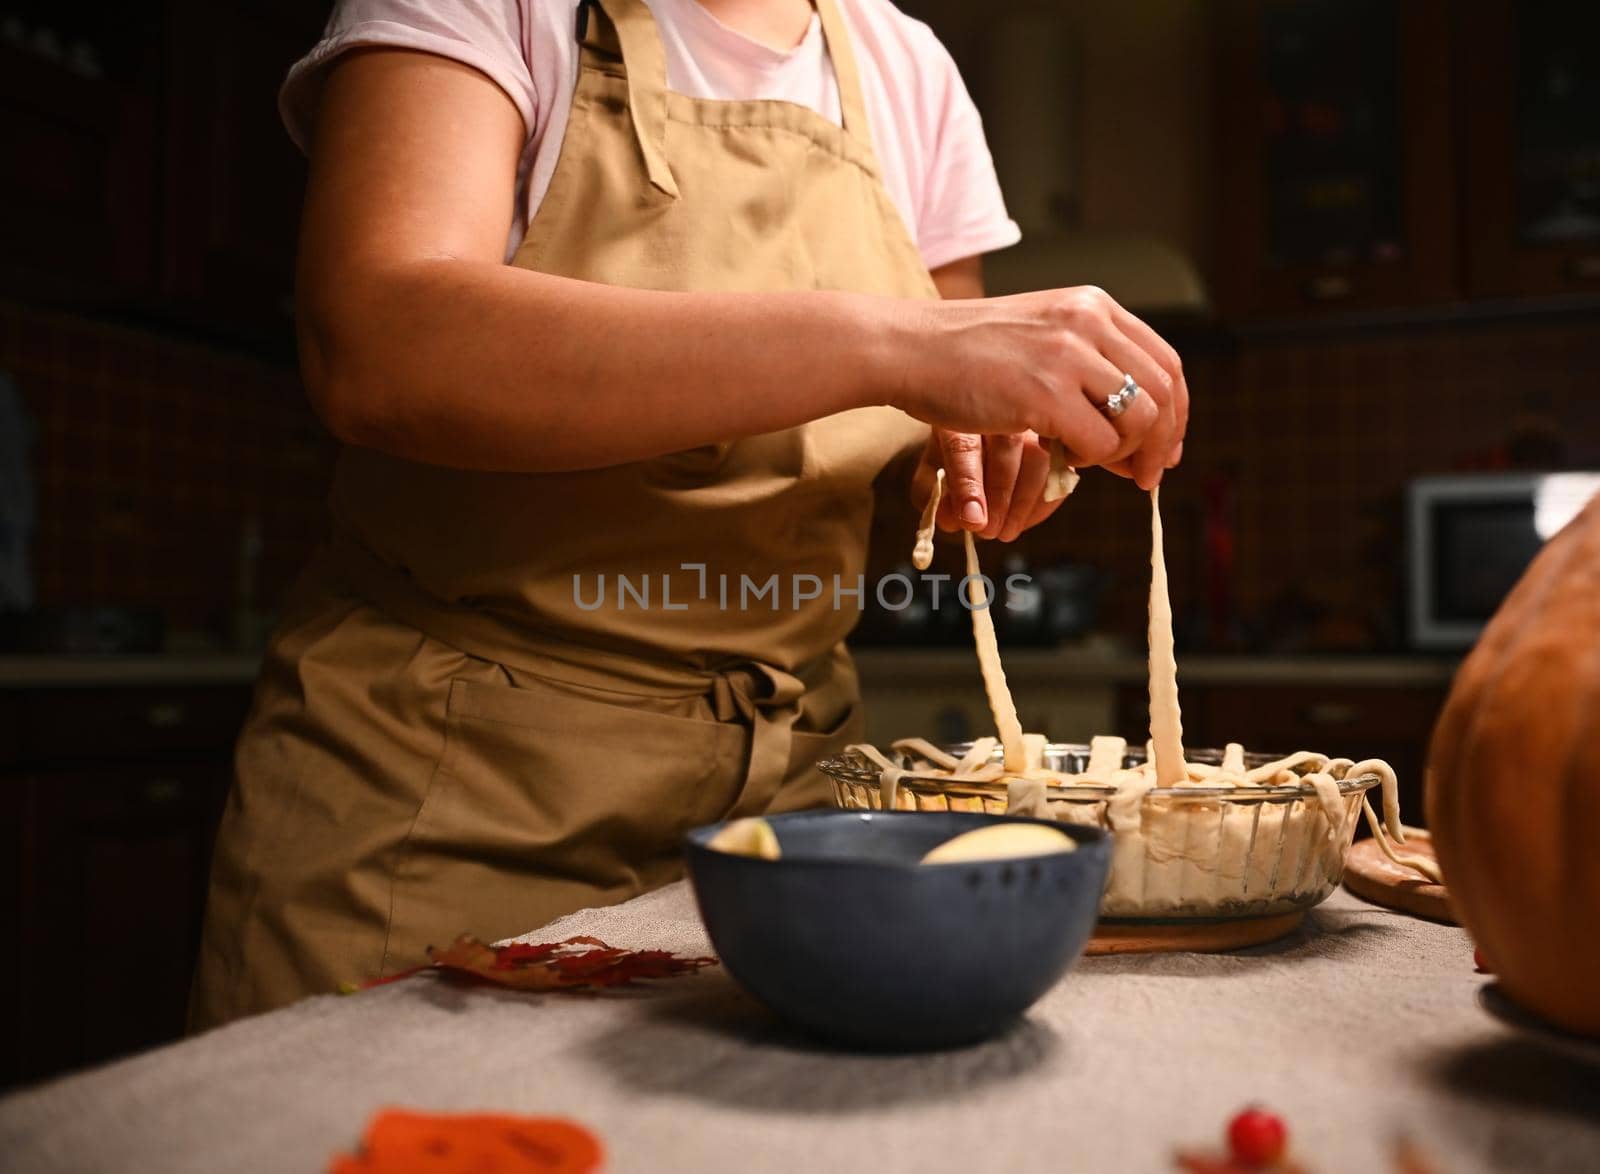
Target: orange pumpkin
1513, 796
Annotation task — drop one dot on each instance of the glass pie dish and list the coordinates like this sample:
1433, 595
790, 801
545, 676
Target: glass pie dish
1179, 853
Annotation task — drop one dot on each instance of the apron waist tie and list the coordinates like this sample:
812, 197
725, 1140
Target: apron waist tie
768, 700
763, 697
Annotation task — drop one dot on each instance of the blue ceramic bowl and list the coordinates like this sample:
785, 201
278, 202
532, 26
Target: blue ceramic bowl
849, 938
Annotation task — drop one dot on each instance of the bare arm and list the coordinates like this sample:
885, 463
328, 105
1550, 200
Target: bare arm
960, 279
417, 339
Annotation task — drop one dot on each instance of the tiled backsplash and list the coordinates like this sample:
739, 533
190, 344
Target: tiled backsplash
151, 456
153, 453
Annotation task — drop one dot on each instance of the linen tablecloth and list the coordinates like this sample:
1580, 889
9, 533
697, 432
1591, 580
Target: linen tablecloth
1361, 1026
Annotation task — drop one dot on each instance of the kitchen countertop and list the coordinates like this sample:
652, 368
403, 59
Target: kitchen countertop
47, 672
1361, 1026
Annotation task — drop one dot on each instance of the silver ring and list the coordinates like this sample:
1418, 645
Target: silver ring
1121, 398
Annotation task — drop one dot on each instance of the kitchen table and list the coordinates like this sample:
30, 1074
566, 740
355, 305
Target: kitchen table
1361, 1026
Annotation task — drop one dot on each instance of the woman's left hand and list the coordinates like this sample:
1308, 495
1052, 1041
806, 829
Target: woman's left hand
994, 485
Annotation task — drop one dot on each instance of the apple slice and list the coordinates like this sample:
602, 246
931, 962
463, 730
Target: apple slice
1003, 841
747, 837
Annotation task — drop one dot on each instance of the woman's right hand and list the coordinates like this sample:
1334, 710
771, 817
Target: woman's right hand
1047, 362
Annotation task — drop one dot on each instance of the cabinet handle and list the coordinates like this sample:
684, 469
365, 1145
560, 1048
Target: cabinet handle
1330, 713
166, 715
1329, 287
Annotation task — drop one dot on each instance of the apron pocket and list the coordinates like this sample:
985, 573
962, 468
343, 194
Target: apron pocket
549, 799
804, 785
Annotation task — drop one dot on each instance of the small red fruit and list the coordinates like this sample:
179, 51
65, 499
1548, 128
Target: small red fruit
1257, 1137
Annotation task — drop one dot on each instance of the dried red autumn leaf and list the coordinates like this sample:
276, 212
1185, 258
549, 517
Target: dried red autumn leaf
577, 962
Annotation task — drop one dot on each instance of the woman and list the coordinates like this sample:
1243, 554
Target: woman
713, 332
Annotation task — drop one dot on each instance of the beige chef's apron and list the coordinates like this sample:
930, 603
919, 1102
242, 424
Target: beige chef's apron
498, 698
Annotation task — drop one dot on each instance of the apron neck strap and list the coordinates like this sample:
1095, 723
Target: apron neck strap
626, 30
852, 106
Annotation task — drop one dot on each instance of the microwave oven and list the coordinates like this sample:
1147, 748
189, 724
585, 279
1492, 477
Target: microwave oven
1469, 539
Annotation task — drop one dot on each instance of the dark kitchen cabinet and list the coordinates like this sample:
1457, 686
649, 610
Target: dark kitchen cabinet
1393, 723
1377, 156
232, 179
1337, 188
158, 181
111, 798
80, 183
1531, 74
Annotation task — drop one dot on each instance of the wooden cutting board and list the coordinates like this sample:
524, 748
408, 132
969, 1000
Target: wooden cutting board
1372, 876
1197, 937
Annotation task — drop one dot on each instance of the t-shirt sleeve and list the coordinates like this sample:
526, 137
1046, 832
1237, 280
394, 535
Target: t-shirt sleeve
484, 34
962, 212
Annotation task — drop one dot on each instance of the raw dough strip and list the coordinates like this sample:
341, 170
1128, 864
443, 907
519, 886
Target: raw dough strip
1166, 722
1391, 794
1123, 808
928, 751
1027, 797
977, 754
1267, 773
1062, 478
937, 763
1332, 801
1105, 756
994, 674
889, 774
922, 552
1033, 748
1421, 864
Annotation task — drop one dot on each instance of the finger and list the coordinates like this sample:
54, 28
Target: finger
1150, 461
1002, 458
1082, 428
1136, 422
963, 478
922, 477
1150, 456
1180, 404
1103, 378
923, 482
1142, 333
1133, 359
1177, 455
949, 516
1028, 491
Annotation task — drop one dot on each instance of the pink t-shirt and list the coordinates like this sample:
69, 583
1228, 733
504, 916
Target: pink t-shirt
925, 130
